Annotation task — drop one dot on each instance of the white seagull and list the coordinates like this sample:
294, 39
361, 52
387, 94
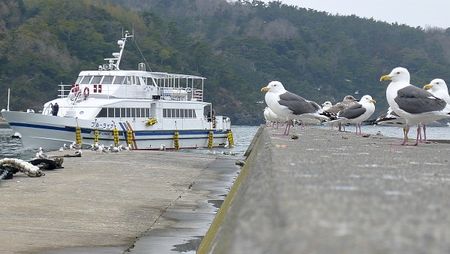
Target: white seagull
289, 105
413, 104
438, 88
326, 105
357, 113
390, 118
41, 155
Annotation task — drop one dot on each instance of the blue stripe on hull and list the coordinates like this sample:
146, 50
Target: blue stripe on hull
136, 133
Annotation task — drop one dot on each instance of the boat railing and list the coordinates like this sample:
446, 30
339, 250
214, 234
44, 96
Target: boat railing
179, 86
64, 90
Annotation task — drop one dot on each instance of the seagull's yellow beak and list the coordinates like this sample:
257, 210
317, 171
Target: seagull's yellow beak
265, 89
427, 86
385, 77
373, 101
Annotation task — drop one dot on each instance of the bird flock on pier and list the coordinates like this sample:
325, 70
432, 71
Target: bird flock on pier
409, 106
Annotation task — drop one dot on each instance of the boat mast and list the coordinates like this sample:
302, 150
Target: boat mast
121, 44
9, 97
114, 62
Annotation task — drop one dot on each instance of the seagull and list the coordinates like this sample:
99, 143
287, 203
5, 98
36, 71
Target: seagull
78, 152
390, 118
114, 149
41, 155
438, 88
332, 112
289, 105
357, 113
74, 146
326, 105
95, 146
413, 104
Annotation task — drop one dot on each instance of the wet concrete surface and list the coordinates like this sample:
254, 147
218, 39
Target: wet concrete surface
115, 203
182, 226
333, 192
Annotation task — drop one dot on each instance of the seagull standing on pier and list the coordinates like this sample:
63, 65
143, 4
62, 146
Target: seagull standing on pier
41, 155
332, 112
289, 105
357, 113
438, 88
413, 104
390, 118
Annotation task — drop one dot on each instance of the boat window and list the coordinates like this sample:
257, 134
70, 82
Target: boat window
147, 112
107, 80
193, 114
110, 112
127, 81
86, 80
128, 113
96, 80
190, 113
102, 113
122, 112
138, 112
138, 81
119, 80
116, 112
182, 113
78, 80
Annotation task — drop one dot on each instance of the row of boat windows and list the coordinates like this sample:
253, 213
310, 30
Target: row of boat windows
178, 113
124, 112
145, 112
107, 80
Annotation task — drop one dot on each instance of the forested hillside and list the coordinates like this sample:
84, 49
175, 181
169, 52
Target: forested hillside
239, 46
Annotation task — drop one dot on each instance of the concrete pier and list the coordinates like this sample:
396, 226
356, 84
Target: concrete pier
106, 203
333, 192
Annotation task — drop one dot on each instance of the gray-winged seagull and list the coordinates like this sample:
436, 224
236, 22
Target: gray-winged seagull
289, 105
415, 105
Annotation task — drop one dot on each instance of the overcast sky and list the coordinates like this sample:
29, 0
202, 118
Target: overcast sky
435, 13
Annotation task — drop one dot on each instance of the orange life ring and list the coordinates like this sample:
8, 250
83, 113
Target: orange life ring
86, 92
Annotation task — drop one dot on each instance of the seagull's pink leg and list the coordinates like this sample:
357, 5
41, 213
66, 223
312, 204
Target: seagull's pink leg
418, 134
405, 135
424, 133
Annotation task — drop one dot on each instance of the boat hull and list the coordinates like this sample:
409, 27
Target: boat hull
52, 132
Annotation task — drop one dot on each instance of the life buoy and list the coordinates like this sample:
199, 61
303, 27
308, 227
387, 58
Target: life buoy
86, 92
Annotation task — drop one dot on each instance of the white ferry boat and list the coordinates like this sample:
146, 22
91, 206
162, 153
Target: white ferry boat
138, 108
